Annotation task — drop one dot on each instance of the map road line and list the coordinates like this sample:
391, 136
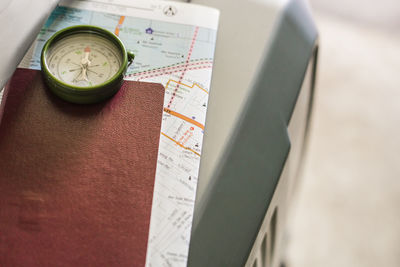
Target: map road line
183, 117
179, 144
120, 22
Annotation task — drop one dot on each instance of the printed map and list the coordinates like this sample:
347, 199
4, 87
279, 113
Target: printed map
180, 57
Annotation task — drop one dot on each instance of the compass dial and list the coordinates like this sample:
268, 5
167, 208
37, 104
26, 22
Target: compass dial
83, 59
84, 64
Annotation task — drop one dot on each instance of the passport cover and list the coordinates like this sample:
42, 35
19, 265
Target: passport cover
76, 181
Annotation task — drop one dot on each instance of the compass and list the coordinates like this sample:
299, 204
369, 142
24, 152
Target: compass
84, 64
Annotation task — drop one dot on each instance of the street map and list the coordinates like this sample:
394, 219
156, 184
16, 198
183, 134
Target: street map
174, 45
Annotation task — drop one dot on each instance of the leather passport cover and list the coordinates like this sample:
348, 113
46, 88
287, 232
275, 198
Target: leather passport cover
76, 181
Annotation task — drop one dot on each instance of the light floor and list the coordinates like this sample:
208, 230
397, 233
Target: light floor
347, 212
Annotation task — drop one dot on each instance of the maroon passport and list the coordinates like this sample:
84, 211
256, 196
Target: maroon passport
76, 181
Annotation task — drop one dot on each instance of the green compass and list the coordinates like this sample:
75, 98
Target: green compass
84, 64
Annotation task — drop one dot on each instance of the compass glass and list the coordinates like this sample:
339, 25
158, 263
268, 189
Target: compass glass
83, 59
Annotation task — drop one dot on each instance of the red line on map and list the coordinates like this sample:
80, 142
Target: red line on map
178, 67
187, 138
196, 30
183, 136
171, 72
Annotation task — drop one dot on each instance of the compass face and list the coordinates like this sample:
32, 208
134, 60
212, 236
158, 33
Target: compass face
83, 59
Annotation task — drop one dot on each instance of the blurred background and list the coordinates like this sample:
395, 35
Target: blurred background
347, 211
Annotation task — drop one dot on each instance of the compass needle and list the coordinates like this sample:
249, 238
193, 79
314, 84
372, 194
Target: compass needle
84, 75
85, 60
